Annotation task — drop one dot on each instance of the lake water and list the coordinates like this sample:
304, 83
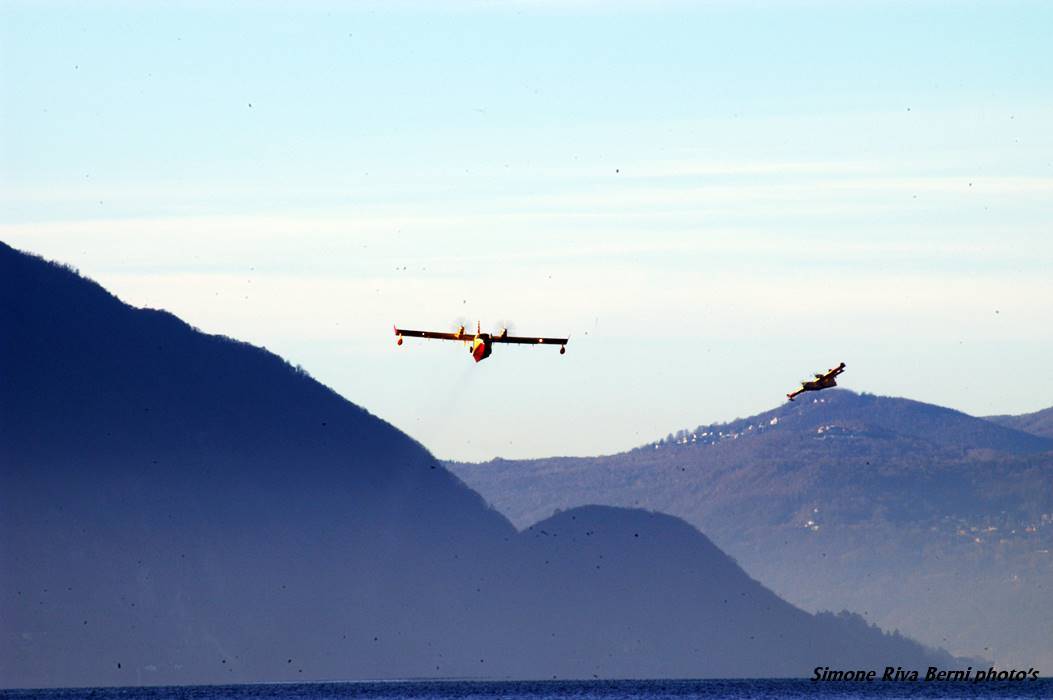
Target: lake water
544, 690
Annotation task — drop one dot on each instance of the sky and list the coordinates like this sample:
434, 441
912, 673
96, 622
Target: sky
712, 199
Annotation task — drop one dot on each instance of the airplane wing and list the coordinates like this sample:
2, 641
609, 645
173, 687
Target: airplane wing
433, 334
524, 340
834, 371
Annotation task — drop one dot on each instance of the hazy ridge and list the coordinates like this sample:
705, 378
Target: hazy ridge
183, 508
929, 520
1037, 423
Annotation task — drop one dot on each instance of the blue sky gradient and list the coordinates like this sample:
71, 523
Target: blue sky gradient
714, 199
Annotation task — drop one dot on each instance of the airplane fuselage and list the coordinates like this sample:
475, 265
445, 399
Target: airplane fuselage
819, 383
481, 347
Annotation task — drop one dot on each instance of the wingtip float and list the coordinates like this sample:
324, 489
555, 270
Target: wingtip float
822, 381
480, 344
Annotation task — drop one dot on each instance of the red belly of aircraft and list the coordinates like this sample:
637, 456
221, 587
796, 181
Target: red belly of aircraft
481, 351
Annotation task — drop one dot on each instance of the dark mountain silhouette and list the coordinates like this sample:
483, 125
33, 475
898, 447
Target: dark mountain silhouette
585, 554
929, 520
1038, 423
177, 507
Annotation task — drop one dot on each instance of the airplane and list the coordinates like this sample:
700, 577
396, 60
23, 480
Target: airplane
821, 381
482, 344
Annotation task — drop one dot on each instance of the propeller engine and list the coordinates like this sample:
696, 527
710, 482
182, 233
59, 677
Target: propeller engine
506, 328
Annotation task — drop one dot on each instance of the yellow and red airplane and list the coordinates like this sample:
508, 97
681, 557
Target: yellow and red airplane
481, 344
821, 381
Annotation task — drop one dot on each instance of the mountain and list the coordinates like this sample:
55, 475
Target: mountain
585, 553
1038, 423
176, 505
177, 508
926, 519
